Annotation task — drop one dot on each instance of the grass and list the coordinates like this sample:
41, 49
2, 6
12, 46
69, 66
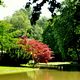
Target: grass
11, 70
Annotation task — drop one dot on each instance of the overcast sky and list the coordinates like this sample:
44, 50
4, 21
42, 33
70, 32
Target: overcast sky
13, 5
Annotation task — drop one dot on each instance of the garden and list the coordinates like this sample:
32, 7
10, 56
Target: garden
29, 42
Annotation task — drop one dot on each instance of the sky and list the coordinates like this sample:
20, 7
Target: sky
13, 5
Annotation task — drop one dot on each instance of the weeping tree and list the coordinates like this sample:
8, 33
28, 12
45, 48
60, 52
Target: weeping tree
65, 29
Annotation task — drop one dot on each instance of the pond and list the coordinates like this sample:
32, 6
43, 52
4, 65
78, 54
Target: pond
43, 74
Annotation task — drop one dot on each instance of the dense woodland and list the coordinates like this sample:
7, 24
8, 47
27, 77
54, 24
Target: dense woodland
61, 33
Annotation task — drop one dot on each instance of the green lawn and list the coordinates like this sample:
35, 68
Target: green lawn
9, 70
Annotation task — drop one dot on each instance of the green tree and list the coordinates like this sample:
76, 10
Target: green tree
10, 30
20, 21
37, 30
0, 2
4, 34
63, 29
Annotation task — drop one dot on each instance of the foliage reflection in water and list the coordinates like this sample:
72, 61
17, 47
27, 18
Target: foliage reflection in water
43, 75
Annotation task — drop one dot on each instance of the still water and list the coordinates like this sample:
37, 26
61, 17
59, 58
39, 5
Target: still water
43, 74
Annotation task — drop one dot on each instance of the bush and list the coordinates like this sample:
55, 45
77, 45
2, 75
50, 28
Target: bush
14, 57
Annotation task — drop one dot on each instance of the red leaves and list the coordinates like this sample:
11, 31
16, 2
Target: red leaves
40, 52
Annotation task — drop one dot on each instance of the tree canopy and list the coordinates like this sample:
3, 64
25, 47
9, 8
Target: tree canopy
37, 9
65, 30
61, 33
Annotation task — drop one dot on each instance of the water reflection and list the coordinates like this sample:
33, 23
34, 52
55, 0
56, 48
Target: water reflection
55, 75
44, 74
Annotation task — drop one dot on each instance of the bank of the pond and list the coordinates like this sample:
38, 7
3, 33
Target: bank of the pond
30, 67
56, 65
46, 65
12, 70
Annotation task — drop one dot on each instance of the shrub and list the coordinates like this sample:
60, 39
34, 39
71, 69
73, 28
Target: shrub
14, 57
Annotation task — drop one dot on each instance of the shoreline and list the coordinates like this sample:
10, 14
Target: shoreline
13, 70
56, 65
65, 66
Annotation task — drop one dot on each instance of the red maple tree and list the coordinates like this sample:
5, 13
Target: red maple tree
40, 51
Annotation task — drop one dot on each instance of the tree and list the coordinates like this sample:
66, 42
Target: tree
62, 33
42, 22
20, 21
10, 53
49, 39
40, 52
0, 2
37, 30
37, 9
10, 30
64, 26
4, 34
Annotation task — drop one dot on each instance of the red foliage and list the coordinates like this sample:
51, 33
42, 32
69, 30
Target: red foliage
40, 52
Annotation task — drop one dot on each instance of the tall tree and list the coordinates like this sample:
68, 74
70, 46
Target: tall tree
0, 2
64, 27
37, 9
6, 39
20, 21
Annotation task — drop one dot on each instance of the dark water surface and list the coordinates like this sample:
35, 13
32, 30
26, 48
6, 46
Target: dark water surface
43, 74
